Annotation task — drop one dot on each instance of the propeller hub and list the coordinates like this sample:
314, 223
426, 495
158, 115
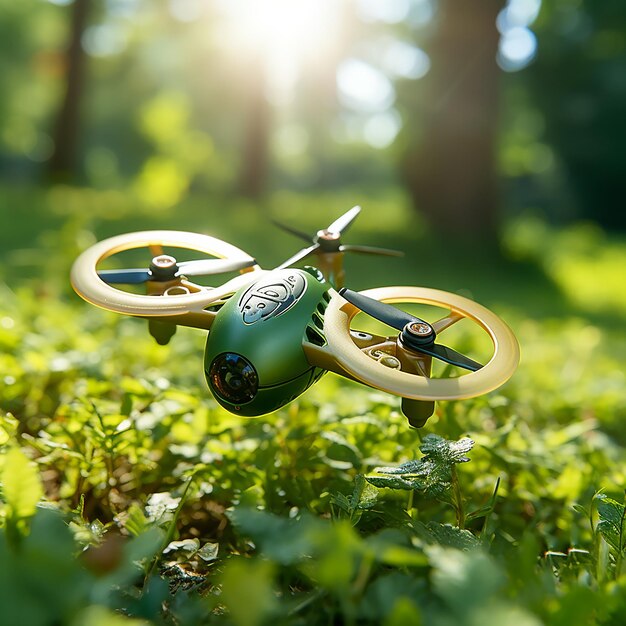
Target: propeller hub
421, 329
328, 240
328, 235
418, 333
163, 268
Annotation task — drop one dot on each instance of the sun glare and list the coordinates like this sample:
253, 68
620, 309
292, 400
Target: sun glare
297, 28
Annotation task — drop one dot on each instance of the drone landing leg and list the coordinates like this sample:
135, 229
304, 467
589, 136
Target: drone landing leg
417, 412
161, 331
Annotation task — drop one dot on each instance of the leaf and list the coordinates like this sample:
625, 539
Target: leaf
8, 428
247, 591
465, 581
364, 495
136, 521
184, 545
209, 551
283, 540
368, 496
342, 501
444, 451
21, 484
391, 547
611, 522
449, 536
432, 473
161, 507
394, 482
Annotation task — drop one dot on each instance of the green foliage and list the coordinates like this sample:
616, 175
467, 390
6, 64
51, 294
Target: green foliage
130, 496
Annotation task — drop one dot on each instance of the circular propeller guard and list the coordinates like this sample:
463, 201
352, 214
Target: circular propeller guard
357, 362
189, 298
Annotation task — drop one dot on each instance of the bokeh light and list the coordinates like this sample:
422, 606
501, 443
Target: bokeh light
518, 44
363, 87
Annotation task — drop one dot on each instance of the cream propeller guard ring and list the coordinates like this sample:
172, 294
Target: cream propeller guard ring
499, 369
93, 289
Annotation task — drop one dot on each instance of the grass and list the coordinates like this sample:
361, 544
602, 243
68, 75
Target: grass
130, 497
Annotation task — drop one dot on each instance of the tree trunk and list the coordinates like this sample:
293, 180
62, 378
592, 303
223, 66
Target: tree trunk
62, 165
255, 158
450, 172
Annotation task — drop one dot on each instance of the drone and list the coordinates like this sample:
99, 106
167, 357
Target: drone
274, 333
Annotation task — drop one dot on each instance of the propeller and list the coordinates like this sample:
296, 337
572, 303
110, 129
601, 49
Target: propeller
415, 333
165, 267
328, 240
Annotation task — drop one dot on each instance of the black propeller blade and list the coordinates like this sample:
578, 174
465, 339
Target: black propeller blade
328, 240
305, 252
415, 332
292, 231
203, 267
371, 250
448, 355
207, 267
125, 277
384, 313
341, 224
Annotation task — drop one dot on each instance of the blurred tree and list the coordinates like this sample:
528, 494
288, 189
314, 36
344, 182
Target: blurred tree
579, 84
449, 166
62, 164
255, 152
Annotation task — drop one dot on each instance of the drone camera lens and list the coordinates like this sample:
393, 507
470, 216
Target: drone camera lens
233, 378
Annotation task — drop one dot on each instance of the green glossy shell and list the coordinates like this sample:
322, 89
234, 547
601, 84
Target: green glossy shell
266, 323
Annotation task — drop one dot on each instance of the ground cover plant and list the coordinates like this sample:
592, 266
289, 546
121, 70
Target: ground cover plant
130, 497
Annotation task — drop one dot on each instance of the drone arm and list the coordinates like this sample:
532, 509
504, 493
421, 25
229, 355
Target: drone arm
322, 357
417, 412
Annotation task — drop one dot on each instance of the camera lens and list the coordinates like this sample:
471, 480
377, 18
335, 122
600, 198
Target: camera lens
233, 378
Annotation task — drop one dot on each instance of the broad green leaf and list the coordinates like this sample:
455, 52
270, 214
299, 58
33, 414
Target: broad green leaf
449, 536
465, 580
43, 582
444, 451
283, 540
611, 521
247, 591
392, 547
368, 497
432, 473
21, 484
394, 482
364, 495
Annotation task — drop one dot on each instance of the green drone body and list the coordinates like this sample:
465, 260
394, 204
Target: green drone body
272, 334
254, 361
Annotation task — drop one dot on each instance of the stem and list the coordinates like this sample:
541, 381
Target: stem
620, 552
409, 506
483, 532
458, 499
170, 530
